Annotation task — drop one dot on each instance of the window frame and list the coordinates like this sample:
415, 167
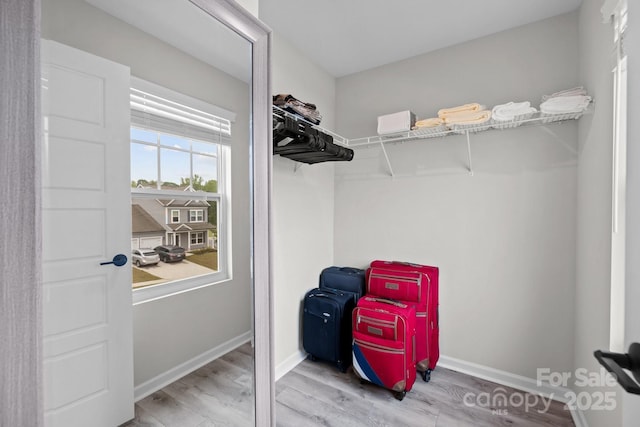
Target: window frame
197, 211
195, 234
222, 198
615, 12
171, 217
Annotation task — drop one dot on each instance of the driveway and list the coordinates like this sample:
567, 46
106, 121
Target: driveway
173, 271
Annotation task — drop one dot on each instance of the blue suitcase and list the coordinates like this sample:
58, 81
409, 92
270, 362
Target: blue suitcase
346, 279
326, 326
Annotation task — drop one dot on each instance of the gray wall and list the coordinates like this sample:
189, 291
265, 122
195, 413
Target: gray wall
504, 238
20, 280
303, 203
173, 330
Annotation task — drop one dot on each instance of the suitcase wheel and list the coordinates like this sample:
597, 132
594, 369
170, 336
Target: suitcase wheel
399, 394
426, 375
312, 357
341, 367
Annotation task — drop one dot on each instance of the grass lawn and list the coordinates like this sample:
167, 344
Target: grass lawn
207, 259
140, 275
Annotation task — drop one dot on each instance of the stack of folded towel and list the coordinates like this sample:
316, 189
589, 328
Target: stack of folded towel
428, 123
511, 110
573, 100
575, 91
467, 114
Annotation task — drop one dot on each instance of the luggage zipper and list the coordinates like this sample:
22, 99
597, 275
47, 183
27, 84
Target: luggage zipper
322, 316
378, 347
379, 322
391, 276
372, 320
387, 301
417, 281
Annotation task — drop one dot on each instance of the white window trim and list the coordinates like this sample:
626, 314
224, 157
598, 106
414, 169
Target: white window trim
223, 202
195, 235
198, 213
171, 211
615, 13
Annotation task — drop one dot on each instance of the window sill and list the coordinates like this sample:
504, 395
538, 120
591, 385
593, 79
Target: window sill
164, 290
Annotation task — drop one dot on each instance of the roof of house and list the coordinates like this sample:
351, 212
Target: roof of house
183, 203
142, 222
192, 226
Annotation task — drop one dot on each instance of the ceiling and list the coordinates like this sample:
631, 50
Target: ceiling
342, 36
188, 28
348, 36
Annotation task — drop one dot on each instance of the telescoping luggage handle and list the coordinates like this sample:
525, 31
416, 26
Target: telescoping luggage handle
410, 264
387, 301
326, 291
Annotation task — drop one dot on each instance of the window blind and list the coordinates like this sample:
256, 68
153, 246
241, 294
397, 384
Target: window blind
150, 110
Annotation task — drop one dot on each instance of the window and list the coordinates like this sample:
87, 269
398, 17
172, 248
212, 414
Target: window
179, 162
197, 238
196, 215
615, 13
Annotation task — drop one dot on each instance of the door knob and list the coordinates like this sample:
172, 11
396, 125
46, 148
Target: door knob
119, 260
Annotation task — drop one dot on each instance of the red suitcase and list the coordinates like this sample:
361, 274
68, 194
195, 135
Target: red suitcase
384, 343
427, 327
409, 286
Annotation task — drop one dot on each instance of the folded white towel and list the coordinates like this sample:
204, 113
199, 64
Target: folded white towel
575, 91
510, 110
565, 104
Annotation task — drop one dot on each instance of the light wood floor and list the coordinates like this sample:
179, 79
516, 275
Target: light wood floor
218, 394
317, 394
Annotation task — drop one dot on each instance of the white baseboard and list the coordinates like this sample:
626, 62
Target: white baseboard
578, 418
508, 379
289, 363
157, 383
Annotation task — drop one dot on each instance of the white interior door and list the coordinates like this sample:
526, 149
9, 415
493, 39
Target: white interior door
88, 349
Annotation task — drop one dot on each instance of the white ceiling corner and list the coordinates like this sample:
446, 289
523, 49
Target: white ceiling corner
348, 36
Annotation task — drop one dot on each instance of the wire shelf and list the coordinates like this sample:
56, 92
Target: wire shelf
513, 123
530, 119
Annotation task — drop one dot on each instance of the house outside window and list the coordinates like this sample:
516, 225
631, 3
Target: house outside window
180, 173
196, 215
197, 238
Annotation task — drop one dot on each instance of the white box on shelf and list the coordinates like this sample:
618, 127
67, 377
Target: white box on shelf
402, 121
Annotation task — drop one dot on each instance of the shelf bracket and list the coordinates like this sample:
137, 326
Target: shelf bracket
387, 158
469, 153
